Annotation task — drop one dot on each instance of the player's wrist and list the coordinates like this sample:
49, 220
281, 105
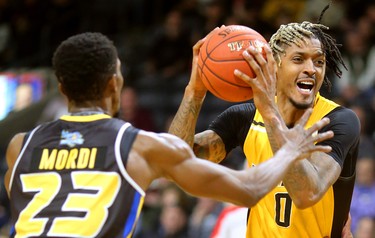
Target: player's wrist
194, 93
270, 115
288, 152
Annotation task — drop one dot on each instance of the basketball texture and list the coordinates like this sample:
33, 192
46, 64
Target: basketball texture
221, 54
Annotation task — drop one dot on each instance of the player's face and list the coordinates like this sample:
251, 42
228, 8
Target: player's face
301, 73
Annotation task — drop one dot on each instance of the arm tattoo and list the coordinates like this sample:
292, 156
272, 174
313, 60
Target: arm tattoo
209, 145
274, 133
184, 123
296, 180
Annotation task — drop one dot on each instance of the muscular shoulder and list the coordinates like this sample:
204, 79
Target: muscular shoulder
344, 121
233, 124
346, 128
243, 111
15, 146
12, 153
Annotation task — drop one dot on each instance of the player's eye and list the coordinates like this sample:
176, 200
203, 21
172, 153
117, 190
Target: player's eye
297, 59
320, 62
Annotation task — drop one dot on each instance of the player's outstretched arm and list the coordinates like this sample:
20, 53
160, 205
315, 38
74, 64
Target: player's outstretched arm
172, 158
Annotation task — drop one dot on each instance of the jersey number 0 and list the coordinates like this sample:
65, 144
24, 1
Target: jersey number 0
283, 209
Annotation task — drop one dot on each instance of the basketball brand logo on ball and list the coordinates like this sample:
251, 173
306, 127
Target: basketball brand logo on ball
242, 45
221, 54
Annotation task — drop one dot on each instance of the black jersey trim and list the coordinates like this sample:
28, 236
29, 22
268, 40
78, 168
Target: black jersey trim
256, 123
341, 188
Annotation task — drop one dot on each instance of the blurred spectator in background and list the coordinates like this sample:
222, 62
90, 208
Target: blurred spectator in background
231, 223
55, 108
172, 220
232, 220
175, 212
366, 143
332, 18
149, 217
132, 112
276, 13
359, 57
214, 13
24, 96
5, 14
169, 50
204, 217
26, 31
365, 228
363, 202
62, 20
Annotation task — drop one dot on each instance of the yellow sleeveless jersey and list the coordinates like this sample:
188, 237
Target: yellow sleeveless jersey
275, 215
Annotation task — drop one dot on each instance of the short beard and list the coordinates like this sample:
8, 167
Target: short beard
301, 106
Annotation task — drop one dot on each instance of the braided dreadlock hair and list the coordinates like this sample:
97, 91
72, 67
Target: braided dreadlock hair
296, 33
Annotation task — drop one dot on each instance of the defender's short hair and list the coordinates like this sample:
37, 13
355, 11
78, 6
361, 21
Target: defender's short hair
83, 64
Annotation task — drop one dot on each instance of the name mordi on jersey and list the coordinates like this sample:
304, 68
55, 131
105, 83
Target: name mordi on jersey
75, 158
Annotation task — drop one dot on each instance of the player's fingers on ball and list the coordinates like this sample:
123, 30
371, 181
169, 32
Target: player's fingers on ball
269, 58
244, 77
251, 61
257, 54
268, 51
198, 45
214, 31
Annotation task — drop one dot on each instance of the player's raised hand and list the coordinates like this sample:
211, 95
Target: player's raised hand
264, 82
195, 80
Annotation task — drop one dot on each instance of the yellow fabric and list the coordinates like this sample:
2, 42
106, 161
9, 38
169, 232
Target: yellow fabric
272, 217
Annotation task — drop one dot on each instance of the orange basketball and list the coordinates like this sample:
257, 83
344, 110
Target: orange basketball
221, 54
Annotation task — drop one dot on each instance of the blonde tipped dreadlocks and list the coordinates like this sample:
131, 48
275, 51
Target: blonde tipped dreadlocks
296, 33
293, 33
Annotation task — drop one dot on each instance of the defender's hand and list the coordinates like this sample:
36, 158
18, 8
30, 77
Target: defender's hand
303, 141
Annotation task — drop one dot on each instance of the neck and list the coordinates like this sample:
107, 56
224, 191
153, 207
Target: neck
86, 111
98, 106
290, 114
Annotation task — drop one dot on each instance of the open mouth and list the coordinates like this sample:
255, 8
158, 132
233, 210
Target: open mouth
305, 86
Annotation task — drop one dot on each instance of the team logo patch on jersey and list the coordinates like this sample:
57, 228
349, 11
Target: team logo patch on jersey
71, 138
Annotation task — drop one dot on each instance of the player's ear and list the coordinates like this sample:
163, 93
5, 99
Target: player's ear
112, 85
61, 89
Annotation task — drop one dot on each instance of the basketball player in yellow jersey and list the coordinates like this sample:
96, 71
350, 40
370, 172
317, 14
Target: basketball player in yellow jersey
314, 198
86, 173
